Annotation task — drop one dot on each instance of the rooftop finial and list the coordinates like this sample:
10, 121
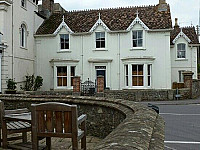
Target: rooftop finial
63, 19
99, 15
137, 13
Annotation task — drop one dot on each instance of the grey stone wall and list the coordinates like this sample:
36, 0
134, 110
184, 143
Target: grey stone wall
146, 95
126, 125
195, 88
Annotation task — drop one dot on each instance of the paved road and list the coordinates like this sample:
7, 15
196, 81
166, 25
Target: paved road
182, 124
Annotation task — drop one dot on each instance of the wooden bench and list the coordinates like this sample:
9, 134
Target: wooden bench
57, 120
11, 126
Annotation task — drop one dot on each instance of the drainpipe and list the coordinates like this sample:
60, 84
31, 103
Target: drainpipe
119, 59
12, 43
82, 55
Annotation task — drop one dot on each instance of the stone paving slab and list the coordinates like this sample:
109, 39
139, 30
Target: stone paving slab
65, 143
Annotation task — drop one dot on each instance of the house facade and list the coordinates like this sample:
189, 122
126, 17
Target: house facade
18, 24
124, 45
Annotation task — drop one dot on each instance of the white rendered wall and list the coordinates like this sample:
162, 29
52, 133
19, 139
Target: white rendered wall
118, 46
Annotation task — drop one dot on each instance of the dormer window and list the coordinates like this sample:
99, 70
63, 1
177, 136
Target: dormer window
64, 41
23, 3
100, 39
137, 38
181, 50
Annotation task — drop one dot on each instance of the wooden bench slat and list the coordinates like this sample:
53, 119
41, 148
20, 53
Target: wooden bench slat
67, 122
59, 122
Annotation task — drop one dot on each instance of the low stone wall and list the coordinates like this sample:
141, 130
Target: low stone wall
125, 124
146, 95
195, 88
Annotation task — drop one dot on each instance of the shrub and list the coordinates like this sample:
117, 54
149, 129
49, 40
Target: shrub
11, 84
32, 83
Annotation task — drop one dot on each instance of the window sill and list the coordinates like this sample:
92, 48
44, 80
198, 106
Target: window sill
181, 59
24, 8
64, 51
137, 48
23, 48
64, 88
100, 49
136, 87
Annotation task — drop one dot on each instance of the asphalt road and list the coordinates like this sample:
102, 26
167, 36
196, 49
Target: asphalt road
182, 126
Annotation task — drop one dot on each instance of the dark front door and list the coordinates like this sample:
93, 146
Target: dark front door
102, 73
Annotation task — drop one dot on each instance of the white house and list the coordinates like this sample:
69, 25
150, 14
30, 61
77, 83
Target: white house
130, 47
18, 23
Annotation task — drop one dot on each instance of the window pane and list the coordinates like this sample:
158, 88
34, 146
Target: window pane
134, 34
140, 43
126, 68
98, 44
134, 43
139, 34
149, 69
59, 82
134, 69
65, 81
140, 69
102, 44
61, 71
62, 45
72, 71
140, 81
97, 35
183, 46
66, 46
66, 37
102, 35
149, 81
126, 80
62, 38
134, 81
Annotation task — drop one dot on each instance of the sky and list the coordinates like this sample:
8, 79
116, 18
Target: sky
187, 11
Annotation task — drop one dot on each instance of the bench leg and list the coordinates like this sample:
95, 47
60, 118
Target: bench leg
74, 143
4, 135
24, 137
83, 143
48, 143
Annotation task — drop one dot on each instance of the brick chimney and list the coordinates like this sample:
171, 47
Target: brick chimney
176, 23
162, 6
47, 7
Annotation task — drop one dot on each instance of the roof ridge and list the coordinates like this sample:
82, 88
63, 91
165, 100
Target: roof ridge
110, 8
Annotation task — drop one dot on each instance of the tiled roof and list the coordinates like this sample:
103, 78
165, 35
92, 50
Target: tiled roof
188, 31
115, 19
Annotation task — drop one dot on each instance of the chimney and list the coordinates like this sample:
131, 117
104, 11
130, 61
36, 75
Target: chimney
162, 6
176, 23
47, 7
162, 2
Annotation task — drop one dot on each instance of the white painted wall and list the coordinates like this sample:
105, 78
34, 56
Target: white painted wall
187, 64
118, 51
18, 62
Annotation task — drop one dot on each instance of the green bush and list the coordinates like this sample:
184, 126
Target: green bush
11, 84
32, 83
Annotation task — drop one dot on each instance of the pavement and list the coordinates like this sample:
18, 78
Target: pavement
174, 102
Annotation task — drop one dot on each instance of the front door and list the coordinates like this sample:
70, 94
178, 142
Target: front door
102, 73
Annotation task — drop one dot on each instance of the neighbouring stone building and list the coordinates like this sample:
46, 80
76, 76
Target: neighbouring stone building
133, 48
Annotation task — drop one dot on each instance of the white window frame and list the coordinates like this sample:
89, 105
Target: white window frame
137, 39
23, 36
145, 76
94, 38
68, 75
60, 42
177, 51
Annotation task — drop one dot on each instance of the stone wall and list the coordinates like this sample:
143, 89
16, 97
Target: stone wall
146, 95
124, 124
195, 88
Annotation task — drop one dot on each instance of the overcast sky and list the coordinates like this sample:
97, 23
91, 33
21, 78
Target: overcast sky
187, 11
